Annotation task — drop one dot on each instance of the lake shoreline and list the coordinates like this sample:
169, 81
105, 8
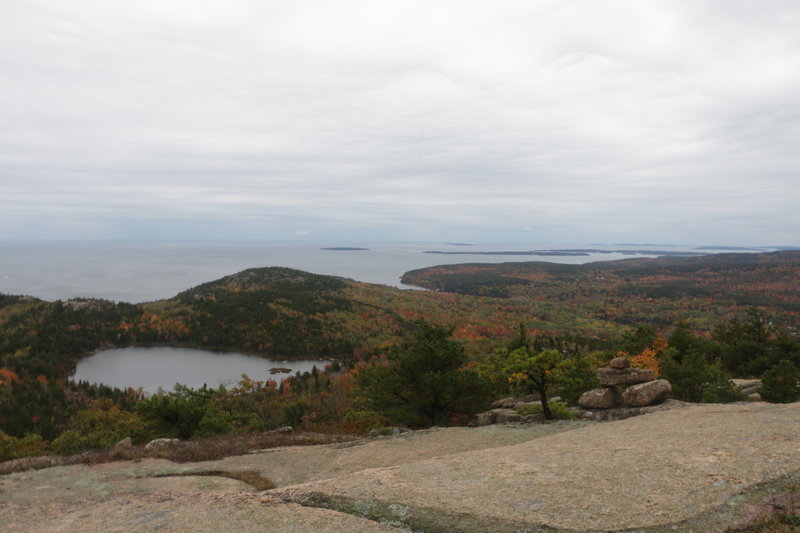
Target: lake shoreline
152, 367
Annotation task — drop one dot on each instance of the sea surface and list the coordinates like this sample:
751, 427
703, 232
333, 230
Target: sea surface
138, 272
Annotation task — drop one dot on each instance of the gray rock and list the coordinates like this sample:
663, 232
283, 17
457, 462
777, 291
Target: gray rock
620, 363
485, 419
628, 376
161, 442
747, 386
505, 403
391, 430
124, 444
506, 415
755, 397
604, 398
648, 393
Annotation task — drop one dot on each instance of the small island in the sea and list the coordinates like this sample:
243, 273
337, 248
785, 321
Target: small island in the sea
542, 253
345, 249
575, 252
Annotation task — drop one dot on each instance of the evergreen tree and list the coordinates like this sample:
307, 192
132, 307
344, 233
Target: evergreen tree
781, 383
423, 384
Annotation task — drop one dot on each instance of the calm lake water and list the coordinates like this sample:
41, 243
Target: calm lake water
163, 367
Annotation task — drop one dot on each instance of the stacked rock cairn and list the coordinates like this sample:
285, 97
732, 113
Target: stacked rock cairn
641, 387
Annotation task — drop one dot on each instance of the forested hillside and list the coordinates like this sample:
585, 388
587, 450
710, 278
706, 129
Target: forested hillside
698, 290
698, 321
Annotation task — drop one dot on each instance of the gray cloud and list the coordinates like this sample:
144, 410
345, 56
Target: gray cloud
546, 120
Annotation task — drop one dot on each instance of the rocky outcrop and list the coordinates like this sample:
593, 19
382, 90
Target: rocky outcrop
648, 393
605, 398
161, 442
504, 403
124, 444
642, 387
611, 377
620, 363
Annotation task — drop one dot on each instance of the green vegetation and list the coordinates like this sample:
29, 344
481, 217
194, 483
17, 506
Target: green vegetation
402, 357
781, 383
658, 292
423, 383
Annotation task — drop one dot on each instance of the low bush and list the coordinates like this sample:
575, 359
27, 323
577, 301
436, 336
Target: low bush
15, 448
559, 409
781, 383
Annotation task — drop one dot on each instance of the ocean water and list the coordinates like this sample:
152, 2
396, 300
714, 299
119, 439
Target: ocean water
139, 272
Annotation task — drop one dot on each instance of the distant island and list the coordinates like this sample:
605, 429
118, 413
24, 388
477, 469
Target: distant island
542, 253
345, 249
574, 252
459, 244
640, 244
741, 248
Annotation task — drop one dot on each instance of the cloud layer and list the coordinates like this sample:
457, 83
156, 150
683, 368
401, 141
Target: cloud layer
542, 121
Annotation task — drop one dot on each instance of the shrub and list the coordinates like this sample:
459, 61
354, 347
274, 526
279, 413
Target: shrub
424, 383
696, 379
559, 409
100, 426
178, 413
27, 446
722, 390
781, 383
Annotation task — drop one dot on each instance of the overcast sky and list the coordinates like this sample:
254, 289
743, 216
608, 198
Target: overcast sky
538, 121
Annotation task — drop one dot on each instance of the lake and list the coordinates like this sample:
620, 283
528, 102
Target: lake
164, 366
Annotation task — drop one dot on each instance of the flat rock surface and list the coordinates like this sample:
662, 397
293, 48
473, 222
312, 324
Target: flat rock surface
651, 470
158, 495
293, 465
691, 467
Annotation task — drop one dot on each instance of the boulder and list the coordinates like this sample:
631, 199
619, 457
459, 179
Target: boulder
124, 444
755, 397
485, 419
604, 398
392, 430
155, 443
505, 403
610, 377
506, 415
648, 393
747, 386
620, 363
